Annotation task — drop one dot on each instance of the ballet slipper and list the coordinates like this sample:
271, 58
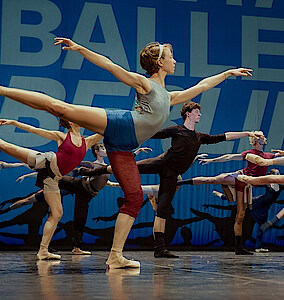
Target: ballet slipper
117, 261
78, 251
43, 253
47, 255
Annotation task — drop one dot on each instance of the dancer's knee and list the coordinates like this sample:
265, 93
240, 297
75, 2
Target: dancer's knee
240, 217
132, 204
58, 108
56, 215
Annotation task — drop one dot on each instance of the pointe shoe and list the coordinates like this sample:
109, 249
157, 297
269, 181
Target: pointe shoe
78, 251
121, 262
256, 159
47, 255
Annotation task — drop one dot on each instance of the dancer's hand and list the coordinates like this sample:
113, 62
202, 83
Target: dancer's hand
255, 135
202, 155
279, 152
241, 72
20, 179
5, 122
70, 45
205, 161
83, 171
143, 149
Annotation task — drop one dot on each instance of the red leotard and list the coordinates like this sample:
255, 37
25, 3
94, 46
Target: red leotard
69, 155
253, 169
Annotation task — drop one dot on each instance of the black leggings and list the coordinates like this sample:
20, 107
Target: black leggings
82, 199
168, 183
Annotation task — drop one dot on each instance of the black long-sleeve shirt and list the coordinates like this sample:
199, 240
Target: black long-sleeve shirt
185, 144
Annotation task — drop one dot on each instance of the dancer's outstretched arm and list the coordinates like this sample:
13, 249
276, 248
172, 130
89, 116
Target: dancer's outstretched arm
48, 134
135, 80
222, 158
5, 165
258, 160
206, 84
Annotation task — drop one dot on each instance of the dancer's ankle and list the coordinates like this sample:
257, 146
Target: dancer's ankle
43, 248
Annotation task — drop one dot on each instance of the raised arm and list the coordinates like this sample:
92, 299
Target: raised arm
137, 81
206, 84
92, 140
48, 134
222, 158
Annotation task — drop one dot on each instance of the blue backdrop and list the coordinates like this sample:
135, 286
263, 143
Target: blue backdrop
207, 36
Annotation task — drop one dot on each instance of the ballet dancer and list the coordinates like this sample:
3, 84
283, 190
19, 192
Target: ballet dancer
125, 130
260, 207
177, 160
240, 194
268, 179
51, 167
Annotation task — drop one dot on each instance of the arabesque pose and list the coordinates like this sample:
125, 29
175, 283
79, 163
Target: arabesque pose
125, 130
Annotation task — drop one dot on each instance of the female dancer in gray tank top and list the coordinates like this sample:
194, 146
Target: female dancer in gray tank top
124, 130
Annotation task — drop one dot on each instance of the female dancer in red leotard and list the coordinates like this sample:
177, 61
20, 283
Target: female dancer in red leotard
51, 167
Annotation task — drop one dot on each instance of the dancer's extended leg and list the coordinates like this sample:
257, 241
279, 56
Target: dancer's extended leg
273, 221
92, 118
219, 179
25, 155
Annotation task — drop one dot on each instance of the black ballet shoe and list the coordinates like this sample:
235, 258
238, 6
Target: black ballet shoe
165, 253
242, 251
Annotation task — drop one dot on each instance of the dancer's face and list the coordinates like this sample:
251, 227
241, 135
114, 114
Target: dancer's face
262, 140
194, 115
102, 151
168, 63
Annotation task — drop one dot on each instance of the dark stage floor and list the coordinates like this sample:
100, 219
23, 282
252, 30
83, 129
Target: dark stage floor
195, 275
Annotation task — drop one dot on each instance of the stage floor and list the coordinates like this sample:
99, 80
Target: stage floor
195, 275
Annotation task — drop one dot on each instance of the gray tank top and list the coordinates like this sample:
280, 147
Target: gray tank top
154, 109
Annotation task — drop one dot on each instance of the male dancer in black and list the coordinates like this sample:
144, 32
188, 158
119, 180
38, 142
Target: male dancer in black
185, 145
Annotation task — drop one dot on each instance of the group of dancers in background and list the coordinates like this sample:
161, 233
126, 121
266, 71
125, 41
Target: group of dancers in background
123, 132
